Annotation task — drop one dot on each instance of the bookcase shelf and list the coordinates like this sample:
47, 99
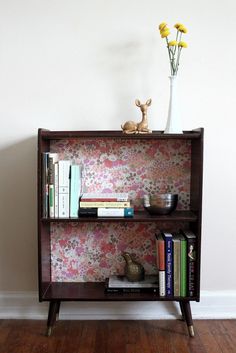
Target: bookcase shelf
94, 291
139, 162
140, 216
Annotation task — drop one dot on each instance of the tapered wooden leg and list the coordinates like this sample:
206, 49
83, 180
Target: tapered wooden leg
54, 307
188, 316
182, 310
58, 310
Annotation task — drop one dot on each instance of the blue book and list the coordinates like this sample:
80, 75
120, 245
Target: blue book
168, 262
75, 189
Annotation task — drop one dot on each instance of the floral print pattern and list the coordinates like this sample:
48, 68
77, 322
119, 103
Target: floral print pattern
92, 251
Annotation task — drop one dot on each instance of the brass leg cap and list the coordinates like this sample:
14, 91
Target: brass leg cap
191, 331
49, 331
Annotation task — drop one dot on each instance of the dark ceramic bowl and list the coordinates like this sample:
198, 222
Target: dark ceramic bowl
162, 204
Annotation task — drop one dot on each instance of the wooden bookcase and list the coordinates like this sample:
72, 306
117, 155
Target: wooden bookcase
187, 151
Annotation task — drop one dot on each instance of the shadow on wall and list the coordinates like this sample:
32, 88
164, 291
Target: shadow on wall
18, 231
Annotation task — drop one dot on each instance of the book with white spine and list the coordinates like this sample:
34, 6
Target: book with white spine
64, 188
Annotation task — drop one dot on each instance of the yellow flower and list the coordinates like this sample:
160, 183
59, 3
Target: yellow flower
182, 29
177, 25
183, 45
164, 30
162, 26
173, 43
165, 33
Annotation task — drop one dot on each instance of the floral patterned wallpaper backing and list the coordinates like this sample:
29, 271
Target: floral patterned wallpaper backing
92, 252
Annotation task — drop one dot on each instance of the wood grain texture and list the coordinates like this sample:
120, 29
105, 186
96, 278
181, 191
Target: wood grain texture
18, 336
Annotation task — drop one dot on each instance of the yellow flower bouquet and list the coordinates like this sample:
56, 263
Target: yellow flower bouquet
174, 47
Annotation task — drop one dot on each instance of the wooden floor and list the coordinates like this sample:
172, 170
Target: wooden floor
26, 336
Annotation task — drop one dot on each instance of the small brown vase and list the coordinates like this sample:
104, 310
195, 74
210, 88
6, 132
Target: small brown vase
134, 271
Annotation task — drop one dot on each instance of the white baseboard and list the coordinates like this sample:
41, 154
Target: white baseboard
25, 305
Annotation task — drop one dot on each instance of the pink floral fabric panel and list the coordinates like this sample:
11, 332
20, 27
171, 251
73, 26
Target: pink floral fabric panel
92, 251
138, 167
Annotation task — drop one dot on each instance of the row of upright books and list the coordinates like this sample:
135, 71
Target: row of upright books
61, 187
176, 262
63, 196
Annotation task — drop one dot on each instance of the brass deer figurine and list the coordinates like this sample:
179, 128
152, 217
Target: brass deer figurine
131, 127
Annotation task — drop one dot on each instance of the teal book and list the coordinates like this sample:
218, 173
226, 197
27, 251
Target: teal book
75, 189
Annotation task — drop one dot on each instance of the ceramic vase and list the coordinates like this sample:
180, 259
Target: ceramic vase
173, 125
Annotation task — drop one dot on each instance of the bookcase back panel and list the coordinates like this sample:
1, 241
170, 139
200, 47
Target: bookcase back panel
138, 167
91, 252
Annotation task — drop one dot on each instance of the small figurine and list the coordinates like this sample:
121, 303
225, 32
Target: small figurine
134, 271
130, 127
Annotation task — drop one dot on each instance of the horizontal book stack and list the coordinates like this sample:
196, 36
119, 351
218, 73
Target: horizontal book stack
120, 284
105, 205
61, 187
176, 263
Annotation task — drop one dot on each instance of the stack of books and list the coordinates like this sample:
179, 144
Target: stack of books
105, 205
61, 187
176, 263
120, 284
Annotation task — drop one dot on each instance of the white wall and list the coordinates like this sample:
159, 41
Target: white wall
80, 65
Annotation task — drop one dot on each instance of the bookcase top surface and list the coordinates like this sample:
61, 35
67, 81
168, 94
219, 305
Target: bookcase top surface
57, 135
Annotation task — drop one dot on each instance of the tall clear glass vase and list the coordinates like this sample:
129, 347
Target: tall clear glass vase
173, 125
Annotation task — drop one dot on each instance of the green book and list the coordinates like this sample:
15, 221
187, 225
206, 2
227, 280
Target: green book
176, 261
183, 267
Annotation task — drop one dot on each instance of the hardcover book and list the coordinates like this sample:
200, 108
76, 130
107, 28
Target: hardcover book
109, 196
160, 256
168, 262
75, 189
191, 261
120, 284
102, 204
176, 264
64, 185
52, 159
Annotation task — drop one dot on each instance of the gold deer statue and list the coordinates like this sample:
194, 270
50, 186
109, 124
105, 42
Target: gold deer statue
131, 127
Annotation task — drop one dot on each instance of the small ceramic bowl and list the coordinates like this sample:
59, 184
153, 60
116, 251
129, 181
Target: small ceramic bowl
161, 203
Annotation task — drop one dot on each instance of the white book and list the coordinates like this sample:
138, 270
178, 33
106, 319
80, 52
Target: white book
64, 188
52, 159
150, 281
162, 283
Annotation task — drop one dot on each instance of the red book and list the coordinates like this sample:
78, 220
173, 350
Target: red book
160, 252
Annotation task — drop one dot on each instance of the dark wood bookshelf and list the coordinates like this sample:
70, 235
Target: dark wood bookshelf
55, 292
94, 291
141, 216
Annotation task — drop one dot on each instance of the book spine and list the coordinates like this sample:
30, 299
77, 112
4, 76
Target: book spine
169, 263
64, 185
176, 267
98, 197
106, 212
131, 290
88, 212
102, 204
75, 190
162, 283
45, 190
191, 267
183, 268
56, 190
115, 212
52, 159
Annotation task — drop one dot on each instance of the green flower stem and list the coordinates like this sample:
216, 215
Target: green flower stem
178, 57
171, 65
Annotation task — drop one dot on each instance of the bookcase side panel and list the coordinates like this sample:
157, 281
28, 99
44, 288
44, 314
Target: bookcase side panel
44, 249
